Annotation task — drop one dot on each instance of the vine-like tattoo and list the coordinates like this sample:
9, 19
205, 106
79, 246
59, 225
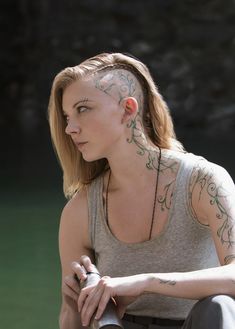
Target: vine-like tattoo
138, 138
217, 193
228, 258
119, 84
165, 200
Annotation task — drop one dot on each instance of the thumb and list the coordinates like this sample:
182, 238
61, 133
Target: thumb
86, 262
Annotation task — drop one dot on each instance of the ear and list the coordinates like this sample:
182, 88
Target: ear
130, 107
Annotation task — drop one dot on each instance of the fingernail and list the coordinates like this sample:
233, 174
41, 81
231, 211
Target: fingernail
74, 264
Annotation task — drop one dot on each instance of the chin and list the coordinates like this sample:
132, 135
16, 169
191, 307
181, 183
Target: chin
91, 158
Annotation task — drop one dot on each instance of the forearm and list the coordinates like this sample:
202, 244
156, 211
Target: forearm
191, 285
69, 319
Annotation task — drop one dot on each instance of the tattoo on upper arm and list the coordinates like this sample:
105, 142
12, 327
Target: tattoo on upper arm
228, 258
217, 193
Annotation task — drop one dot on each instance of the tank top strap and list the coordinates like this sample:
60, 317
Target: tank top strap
182, 196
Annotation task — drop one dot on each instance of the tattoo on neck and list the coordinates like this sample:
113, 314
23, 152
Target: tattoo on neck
138, 138
144, 149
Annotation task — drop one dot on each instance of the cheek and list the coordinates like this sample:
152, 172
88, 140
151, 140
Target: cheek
107, 126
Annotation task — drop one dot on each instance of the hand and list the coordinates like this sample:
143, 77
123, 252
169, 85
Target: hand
70, 287
124, 290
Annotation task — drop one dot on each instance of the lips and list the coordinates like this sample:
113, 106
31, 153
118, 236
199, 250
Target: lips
80, 145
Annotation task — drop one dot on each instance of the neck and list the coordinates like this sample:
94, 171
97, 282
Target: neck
134, 164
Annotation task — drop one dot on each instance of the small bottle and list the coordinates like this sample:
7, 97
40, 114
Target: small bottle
109, 318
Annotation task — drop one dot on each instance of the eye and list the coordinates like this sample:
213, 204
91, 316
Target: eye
82, 109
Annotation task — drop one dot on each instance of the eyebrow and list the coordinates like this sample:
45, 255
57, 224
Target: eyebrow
84, 100
81, 101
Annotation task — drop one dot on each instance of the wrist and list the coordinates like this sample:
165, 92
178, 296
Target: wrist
148, 282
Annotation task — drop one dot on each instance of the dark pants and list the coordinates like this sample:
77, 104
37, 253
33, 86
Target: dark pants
214, 312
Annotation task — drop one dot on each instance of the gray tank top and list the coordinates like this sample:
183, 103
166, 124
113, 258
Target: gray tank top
184, 245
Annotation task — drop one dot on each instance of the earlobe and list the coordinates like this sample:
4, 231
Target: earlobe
130, 106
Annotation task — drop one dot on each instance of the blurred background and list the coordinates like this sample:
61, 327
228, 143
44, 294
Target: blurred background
189, 47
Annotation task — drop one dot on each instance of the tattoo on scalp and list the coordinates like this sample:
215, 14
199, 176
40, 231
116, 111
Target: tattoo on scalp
119, 83
217, 193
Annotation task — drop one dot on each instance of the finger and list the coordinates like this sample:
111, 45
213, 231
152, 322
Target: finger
86, 262
82, 297
90, 304
79, 271
68, 292
102, 305
72, 283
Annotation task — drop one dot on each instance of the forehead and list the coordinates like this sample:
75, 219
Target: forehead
80, 89
117, 84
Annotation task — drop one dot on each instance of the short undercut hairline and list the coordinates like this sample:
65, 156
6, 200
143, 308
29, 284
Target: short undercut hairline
139, 94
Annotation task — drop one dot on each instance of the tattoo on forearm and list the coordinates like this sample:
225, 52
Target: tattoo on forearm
228, 258
167, 282
217, 194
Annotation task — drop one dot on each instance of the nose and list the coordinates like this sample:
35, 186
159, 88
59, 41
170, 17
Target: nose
72, 128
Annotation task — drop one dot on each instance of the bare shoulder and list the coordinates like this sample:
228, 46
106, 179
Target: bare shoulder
74, 238
75, 211
211, 190
170, 161
210, 178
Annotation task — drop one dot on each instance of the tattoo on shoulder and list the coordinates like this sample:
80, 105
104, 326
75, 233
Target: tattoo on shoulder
203, 180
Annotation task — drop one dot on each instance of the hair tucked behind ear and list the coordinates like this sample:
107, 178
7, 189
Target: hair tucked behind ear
155, 114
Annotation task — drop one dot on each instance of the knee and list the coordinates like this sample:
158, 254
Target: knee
218, 302
215, 307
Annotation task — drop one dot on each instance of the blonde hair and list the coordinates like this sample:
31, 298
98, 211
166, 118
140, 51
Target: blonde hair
155, 116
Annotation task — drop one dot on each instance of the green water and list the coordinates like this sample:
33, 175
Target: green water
30, 268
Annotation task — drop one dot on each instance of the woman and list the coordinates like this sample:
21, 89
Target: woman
155, 220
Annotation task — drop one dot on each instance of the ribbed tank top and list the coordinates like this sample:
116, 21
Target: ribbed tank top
184, 245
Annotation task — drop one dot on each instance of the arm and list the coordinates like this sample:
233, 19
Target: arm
73, 242
212, 199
